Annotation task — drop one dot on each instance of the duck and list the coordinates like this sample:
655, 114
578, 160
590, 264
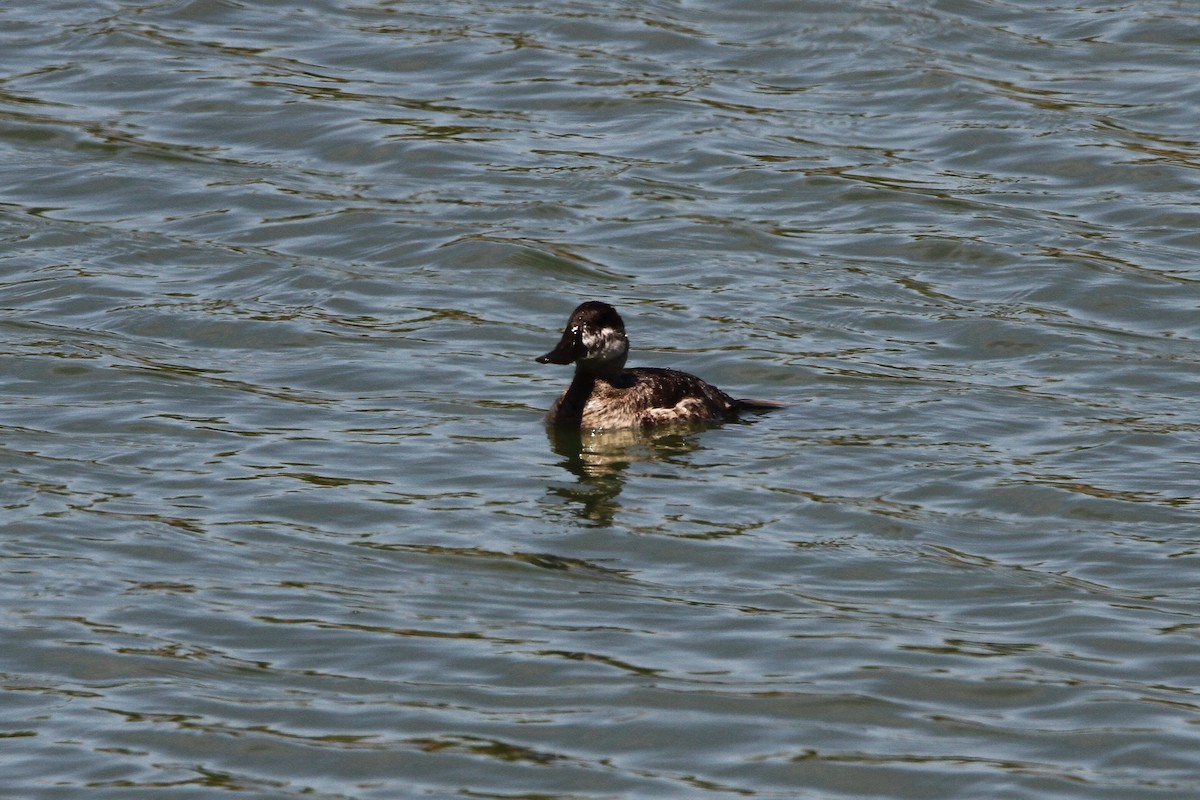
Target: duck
604, 395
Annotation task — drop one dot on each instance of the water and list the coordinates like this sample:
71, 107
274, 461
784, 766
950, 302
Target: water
279, 516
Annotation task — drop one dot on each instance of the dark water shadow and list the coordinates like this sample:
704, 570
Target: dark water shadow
600, 460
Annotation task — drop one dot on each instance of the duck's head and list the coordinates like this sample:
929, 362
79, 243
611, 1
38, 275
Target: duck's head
594, 340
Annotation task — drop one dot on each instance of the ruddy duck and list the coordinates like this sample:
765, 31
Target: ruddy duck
605, 395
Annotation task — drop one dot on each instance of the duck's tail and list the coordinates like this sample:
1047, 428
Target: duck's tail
759, 405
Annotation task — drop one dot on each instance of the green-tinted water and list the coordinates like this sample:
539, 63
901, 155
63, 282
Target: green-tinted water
279, 516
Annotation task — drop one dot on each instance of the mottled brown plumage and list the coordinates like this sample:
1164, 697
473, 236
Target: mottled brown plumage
605, 395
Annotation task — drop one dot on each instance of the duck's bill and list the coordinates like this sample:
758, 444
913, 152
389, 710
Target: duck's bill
568, 350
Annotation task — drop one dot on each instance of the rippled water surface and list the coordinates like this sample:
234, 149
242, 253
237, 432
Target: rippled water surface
280, 517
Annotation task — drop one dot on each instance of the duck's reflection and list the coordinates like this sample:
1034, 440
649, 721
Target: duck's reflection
600, 459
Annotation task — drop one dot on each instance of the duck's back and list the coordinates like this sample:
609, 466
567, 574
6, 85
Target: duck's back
646, 396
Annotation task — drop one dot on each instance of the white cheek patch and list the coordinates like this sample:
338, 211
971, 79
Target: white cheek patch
605, 344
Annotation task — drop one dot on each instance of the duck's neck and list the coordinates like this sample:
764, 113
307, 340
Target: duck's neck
570, 405
611, 372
